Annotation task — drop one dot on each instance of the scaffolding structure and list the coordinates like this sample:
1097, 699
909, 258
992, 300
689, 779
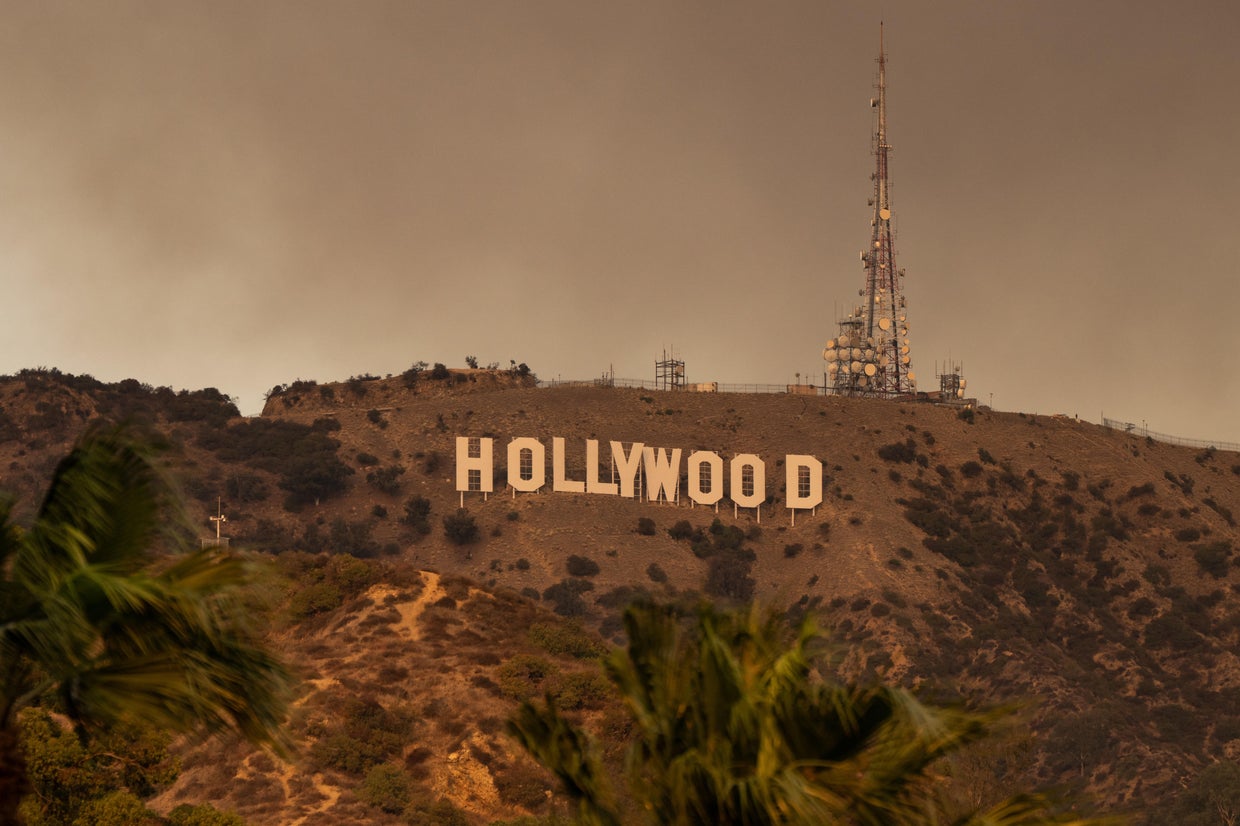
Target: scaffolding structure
669, 373
952, 383
870, 354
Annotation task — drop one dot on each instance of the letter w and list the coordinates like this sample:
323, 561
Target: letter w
662, 472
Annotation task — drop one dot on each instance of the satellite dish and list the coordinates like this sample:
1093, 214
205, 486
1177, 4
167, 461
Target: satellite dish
964, 383
883, 360
856, 367
904, 360
885, 214
877, 244
912, 376
863, 382
831, 342
903, 317
870, 369
960, 394
843, 342
904, 350
844, 367
828, 354
858, 354
884, 323
833, 368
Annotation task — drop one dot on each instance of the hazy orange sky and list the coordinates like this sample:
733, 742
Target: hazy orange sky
239, 194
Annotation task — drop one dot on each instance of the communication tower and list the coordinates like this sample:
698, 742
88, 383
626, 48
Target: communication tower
870, 355
952, 383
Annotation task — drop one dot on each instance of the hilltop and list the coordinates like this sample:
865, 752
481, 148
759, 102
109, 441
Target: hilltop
972, 553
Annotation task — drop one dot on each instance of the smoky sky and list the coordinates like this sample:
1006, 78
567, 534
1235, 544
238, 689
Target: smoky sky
239, 194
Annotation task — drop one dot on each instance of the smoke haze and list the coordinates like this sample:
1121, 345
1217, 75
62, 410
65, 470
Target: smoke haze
239, 194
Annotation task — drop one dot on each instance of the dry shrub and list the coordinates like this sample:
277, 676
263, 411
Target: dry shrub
523, 675
523, 784
380, 618
482, 658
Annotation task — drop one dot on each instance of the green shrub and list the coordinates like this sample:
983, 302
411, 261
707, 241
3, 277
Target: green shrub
460, 527
905, 451
386, 787
245, 487
582, 566
1213, 558
645, 526
118, 808
565, 639
386, 480
681, 530
203, 815
970, 469
728, 576
317, 598
1170, 631
522, 677
566, 596
417, 514
656, 573
367, 459
582, 690
365, 735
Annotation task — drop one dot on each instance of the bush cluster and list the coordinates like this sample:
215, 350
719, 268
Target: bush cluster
460, 528
417, 515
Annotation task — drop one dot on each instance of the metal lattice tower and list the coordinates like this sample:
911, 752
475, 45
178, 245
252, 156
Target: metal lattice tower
870, 356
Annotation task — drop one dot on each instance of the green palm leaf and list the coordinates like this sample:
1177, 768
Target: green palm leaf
87, 616
734, 726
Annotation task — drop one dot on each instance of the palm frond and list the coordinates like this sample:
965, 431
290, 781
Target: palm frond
89, 615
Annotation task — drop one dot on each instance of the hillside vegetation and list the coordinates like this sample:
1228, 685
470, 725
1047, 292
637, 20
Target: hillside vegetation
993, 555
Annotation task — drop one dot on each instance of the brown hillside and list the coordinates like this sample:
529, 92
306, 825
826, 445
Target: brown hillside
1009, 556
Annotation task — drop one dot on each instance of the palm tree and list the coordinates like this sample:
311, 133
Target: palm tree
734, 726
105, 612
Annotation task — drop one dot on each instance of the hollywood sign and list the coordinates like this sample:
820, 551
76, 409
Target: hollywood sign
636, 470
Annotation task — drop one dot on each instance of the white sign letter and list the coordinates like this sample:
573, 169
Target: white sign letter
797, 469
558, 481
536, 464
593, 483
697, 462
757, 493
481, 463
627, 466
662, 472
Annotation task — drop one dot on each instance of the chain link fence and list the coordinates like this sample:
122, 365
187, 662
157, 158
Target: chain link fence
1146, 433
